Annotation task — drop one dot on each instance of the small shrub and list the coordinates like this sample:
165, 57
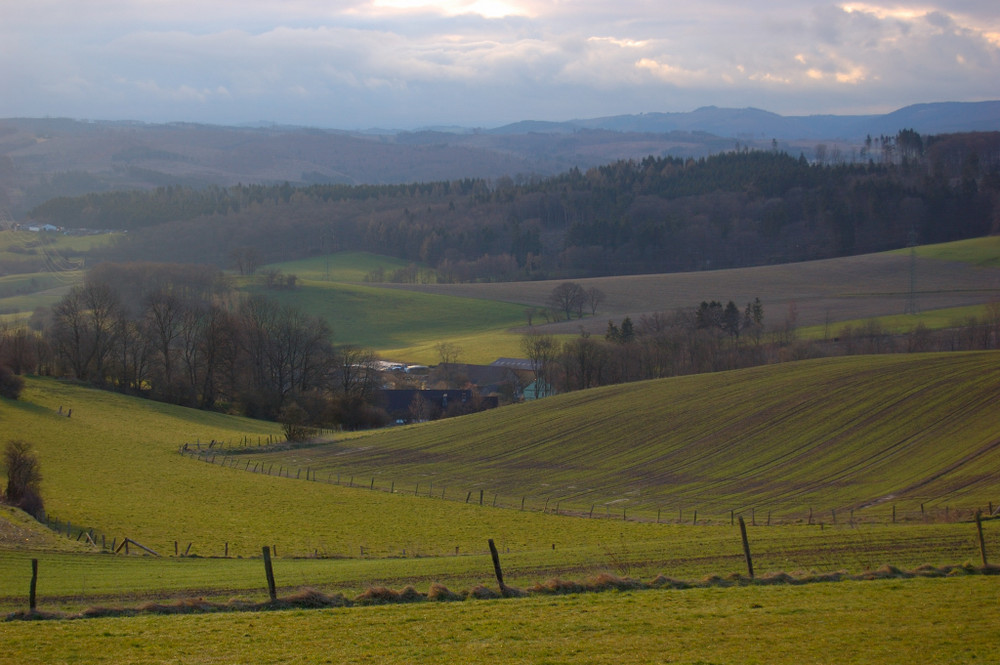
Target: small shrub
295, 423
11, 384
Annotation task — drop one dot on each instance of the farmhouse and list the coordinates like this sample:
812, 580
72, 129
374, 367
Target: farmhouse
409, 406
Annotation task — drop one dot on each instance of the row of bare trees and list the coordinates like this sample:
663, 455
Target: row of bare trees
178, 334
713, 337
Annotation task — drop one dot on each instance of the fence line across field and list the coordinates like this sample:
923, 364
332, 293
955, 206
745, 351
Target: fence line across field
214, 452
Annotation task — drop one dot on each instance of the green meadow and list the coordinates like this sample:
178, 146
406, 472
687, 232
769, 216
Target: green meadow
390, 320
857, 436
830, 434
339, 267
900, 324
406, 325
891, 622
983, 252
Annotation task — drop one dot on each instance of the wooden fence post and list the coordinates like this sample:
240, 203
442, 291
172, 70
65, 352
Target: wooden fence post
982, 543
496, 567
269, 571
746, 546
34, 583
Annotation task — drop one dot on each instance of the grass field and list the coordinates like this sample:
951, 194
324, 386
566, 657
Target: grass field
904, 622
869, 434
900, 324
339, 267
952, 281
389, 319
982, 252
838, 434
862, 434
36, 269
114, 466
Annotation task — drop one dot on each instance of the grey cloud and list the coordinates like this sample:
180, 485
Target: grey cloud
345, 61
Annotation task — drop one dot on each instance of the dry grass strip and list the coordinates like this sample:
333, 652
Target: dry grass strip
380, 595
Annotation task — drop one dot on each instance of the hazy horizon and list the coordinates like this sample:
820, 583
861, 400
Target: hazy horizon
405, 64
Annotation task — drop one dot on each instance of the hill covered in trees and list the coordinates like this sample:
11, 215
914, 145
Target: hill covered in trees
660, 214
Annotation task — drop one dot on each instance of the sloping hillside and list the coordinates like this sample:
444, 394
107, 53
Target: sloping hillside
835, 434
861, 433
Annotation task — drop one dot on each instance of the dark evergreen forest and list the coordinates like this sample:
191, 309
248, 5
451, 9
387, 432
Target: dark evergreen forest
661, 214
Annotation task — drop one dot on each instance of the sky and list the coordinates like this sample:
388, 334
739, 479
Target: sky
408, 64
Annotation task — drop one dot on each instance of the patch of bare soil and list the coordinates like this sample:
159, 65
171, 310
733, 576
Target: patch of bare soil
830, 290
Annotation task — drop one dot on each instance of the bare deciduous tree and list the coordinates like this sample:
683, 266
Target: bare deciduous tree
568, 297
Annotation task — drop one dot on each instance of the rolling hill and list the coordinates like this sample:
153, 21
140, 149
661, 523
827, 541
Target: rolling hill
863, 433
844, 434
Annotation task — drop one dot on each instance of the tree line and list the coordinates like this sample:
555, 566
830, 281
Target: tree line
180, 334
714, 337
658, 214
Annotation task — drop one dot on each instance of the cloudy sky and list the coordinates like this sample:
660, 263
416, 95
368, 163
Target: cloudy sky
356, 64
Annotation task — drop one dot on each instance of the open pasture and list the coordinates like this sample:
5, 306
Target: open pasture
381, 318
983, 252
37, 269
72, 581
114, 466
892, 622
339, 267
859, 438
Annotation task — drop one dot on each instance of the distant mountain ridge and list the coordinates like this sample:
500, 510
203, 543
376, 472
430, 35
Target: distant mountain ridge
43, 158
753, 123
